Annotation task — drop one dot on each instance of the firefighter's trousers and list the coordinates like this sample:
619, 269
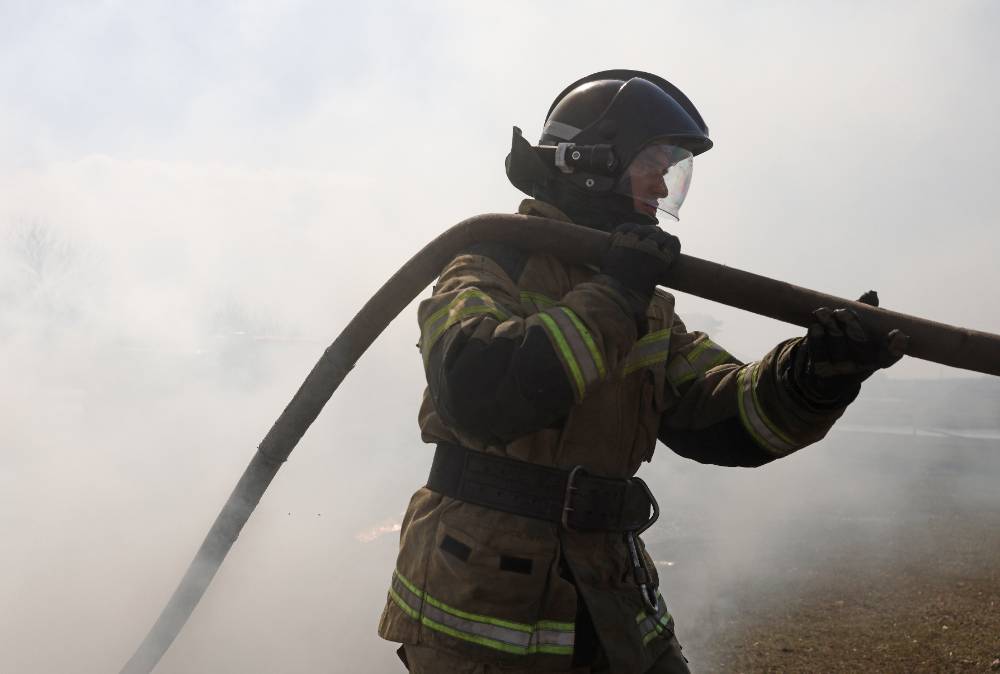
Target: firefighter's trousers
424, 660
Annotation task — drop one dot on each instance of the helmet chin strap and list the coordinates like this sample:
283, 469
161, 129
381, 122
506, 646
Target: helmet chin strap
603, 211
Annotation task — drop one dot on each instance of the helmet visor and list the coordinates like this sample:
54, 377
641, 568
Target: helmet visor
658, 179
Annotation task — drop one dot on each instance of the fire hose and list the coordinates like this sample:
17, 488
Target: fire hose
936, 342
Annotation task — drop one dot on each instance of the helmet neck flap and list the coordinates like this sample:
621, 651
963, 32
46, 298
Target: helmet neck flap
533, 171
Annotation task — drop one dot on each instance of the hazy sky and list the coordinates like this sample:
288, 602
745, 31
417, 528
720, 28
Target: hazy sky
175, 173
272, 150
267, 149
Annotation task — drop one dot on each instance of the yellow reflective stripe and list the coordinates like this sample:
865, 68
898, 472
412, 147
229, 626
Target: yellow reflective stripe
566, 351
495, 644
639, 364
688, 366
407, 609
576, 345
474, 638
707, 355
657, 336
650, 625
545, 636
557, 626
658, 629
463, 295
695, 371
518, 627
521, 627
588, 340
693, 354
752, 414
469, 302
410, 586
679, 371
741, 400
590, 375
538, 299
651, 349
760, 411
458, 315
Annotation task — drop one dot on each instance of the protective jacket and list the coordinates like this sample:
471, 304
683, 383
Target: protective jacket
533, 359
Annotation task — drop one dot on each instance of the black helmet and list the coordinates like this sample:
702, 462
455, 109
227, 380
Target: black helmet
598, 133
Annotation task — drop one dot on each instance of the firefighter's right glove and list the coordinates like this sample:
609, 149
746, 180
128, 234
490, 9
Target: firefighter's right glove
639, 257
839, 352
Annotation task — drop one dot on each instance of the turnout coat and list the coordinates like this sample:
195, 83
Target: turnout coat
530, 358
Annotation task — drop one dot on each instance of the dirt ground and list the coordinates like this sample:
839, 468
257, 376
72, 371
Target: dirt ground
940, 612
921, 596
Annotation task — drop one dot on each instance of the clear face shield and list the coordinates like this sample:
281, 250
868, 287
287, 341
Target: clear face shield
657, 179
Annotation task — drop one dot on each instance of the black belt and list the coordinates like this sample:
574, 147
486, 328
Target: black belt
573, 498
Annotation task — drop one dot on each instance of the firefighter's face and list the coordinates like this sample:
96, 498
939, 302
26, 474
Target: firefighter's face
646, 177
657, 179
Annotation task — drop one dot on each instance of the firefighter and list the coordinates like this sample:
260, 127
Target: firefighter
549, 384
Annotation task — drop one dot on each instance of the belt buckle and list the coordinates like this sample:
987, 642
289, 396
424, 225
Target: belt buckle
652, 502
568, 495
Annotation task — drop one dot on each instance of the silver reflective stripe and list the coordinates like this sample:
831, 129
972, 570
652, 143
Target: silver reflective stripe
469, 302
762, 429
536, 301
696, 362
679, 370
411, 599
555, 637
707, 355
503, 635
577, 336
576, 346
652, 626
651, 349
559, 130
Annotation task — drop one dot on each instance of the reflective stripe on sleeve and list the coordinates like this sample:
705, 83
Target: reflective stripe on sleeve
652, 348
469, 302
545, 636
685, 367
763, 430
575, 346
536, 301
652, 626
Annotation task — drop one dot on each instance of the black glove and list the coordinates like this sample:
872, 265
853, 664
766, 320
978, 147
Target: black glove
839, 352
639, 256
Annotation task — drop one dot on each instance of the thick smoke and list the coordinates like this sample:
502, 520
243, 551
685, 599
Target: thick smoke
193, 203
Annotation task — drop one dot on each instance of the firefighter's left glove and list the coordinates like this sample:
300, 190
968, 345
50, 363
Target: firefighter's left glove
639, 256
839, 352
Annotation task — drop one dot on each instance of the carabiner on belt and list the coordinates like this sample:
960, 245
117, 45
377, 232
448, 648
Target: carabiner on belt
641, 574
643, 578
